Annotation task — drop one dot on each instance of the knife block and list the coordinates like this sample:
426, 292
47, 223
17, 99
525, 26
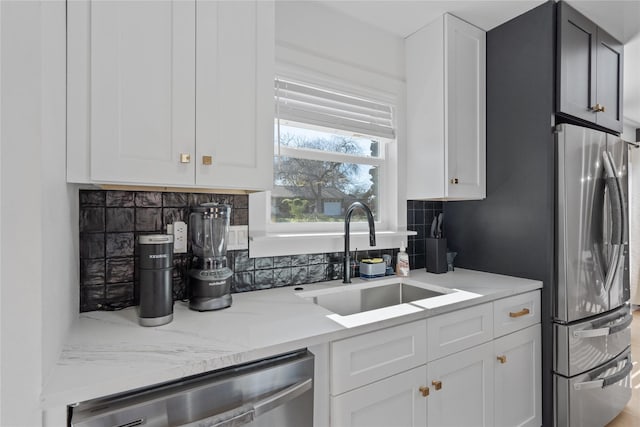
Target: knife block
436, 250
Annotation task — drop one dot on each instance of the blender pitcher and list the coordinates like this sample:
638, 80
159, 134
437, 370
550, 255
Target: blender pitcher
209, 231
210, 279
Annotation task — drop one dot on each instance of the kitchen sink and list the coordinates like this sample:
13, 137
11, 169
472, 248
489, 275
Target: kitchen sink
357, 300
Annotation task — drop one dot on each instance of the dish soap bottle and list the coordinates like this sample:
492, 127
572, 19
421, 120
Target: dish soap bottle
402, 266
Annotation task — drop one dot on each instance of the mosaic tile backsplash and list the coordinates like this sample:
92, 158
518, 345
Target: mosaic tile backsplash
111, 220
420, 214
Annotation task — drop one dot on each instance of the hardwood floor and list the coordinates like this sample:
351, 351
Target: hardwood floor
630, 417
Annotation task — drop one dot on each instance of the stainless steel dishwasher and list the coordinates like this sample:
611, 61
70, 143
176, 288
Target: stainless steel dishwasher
272, 392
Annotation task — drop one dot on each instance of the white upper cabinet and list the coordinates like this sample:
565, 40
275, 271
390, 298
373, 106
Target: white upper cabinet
171, 93
446, 118
142, 67
234, 97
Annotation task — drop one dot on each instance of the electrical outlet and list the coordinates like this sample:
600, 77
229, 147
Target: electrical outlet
238, 239
179, 237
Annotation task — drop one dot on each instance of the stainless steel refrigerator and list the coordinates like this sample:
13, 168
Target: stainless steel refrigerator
591, 319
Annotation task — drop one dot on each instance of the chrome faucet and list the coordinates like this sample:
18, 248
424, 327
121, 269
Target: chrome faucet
372, 236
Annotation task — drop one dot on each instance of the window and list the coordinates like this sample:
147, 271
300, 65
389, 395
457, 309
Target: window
334, 143
329, 152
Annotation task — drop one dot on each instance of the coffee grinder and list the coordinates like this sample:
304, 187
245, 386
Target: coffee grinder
210, 279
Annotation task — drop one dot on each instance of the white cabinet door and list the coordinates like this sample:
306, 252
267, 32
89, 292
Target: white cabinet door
465, 104
446, 123
235, 95
395, 401
142, 91
518, 379
462, 388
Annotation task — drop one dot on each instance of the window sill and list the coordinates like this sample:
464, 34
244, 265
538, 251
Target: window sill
278, 244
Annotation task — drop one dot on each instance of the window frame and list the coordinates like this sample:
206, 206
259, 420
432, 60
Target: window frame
268, 239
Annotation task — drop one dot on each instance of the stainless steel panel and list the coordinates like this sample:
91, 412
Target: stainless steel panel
590, 265
585, 345
594, 398
275, 392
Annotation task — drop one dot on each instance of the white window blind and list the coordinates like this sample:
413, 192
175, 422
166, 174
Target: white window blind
302, 103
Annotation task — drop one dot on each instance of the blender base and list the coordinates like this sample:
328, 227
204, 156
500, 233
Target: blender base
208, 303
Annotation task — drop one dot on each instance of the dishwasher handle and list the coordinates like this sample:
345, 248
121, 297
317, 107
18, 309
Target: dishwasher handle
282, 397
246, 413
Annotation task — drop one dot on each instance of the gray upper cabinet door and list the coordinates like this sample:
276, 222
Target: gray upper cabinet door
609, 81
590, 74
577, 42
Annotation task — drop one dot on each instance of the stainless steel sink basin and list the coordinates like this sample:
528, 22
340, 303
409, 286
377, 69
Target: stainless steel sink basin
351, 301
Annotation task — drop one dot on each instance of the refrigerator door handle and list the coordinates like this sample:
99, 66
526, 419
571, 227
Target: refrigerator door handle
618, 219
607, 381
610, 330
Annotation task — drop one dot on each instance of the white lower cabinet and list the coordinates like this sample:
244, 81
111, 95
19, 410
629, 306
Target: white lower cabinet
462, 388
468, 376
394, 401
518, 379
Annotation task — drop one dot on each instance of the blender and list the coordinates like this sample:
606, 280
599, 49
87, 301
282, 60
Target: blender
210, 279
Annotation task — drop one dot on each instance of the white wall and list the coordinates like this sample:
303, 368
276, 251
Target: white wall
60, 251
21, 206
316, 33
631, 85
629, 134
38, 219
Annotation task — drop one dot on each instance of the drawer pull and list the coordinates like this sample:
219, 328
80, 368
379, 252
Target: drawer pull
207, 160
436, 384
520, 313
424, 391
502, 359
185, 158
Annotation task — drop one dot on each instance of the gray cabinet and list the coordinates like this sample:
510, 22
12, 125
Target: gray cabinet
590, 74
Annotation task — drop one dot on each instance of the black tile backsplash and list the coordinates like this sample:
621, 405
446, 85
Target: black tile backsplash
420, 214
111, 220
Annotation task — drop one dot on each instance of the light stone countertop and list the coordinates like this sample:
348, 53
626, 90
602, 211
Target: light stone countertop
108, 352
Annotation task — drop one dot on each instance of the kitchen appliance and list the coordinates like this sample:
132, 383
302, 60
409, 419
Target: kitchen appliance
557, 211
272, 392
210, 279
155, 266
592, 318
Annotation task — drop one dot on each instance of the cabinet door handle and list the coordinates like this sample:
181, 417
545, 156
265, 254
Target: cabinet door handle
520, 313
598, 108
502, 359
454, 180
207, 160
436, 384
185, 158
424, 391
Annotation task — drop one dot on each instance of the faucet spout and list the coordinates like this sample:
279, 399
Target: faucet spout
372, 236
